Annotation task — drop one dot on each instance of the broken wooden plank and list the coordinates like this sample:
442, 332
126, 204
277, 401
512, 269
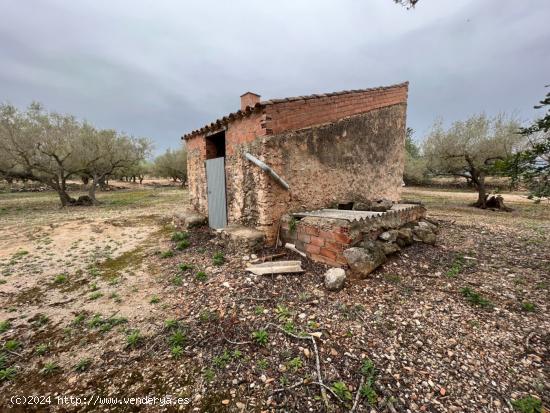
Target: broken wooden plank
276, 267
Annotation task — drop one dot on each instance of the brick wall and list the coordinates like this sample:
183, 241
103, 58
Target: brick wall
301, 113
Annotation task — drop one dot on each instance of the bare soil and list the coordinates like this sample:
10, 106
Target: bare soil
461, 326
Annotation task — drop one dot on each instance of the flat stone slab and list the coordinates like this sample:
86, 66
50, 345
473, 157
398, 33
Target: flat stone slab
242, 236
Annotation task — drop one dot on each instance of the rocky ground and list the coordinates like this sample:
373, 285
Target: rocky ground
461, 326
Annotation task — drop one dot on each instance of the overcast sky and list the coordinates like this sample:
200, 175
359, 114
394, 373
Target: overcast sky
162, 68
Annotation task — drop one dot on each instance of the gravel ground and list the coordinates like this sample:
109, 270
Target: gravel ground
461, 326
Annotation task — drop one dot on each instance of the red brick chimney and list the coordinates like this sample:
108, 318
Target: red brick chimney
249, 99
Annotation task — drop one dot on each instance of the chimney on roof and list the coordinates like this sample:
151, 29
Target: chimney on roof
249, 99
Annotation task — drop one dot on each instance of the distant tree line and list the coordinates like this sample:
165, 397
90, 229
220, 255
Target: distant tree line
52, 148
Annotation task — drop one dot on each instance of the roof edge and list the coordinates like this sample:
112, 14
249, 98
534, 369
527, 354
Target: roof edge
260, 105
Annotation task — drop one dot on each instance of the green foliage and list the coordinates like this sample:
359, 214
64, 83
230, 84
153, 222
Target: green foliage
60, 279
201, 276
262, 364
456, 266
170, 323
176, 351
134, 338
259, 310
341, 390
292, 224
475, 298
180, 236
166, 254
7, 374
528, 404
218, 258
367, 389
282, 312
79, 319
95, 295
41, 349
295, 363
5, 325
209, 375
82, 365
49, 368
532, 164
260, 337
154, 300
181, 245
177, 280
177, 338
172, 164
185, 267
12, 345
528, 306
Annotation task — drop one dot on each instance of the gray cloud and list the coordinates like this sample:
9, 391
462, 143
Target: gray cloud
159, 69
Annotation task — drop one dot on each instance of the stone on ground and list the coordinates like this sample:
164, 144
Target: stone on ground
389, 236
424, 235
334, 278
364, 259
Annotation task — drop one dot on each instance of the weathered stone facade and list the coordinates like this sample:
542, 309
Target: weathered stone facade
330, 149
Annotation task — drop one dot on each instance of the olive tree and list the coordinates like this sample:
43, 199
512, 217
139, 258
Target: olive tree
103, 153
470, 149
172, 164
39, 146
415, 163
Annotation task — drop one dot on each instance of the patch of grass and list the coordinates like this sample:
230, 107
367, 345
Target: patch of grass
177, 338
82, 365
171, 323
177, 280
19, 254
209, 375
289, 327
201, 276
154, 300
295, 363
115, 297
218, 258
40, 320
60, 279
181, 245
95, 295
292, 224
367, 389
79, 319
282, 312
259, 310
5, 325
456, 267
341, 390
134, 338
221, 361
49, 368
176, 351
185, 267
105, 324
180, 236
260, 337
262, 364
474, 298
167, 254
41, 349
528, 306
94, 287
12, 345
528, 404
7, 374
207, 315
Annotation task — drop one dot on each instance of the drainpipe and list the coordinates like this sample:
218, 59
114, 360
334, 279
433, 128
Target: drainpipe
267, 169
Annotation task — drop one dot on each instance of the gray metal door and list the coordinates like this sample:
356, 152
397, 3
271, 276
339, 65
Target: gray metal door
215, 182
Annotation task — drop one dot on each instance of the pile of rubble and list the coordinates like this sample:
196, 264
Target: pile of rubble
369, 254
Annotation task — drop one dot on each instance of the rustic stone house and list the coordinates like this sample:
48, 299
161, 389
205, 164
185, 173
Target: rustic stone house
296, 154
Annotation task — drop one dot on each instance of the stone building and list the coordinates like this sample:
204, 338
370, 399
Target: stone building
297, 154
